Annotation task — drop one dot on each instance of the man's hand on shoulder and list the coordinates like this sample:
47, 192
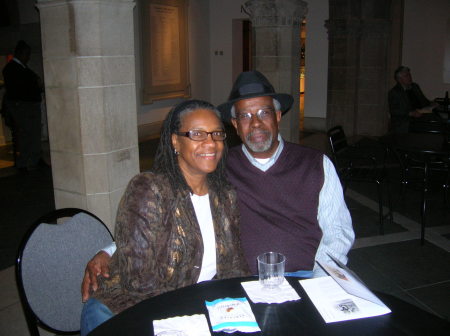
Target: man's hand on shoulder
98, 265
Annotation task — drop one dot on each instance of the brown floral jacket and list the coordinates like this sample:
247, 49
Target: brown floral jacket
159, 243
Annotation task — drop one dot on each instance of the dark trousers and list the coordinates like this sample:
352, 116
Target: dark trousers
27, 124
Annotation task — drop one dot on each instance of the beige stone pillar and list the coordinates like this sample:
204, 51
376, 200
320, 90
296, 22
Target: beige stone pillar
276, 50
89, 73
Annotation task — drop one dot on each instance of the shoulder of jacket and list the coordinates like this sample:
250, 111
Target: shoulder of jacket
150, 179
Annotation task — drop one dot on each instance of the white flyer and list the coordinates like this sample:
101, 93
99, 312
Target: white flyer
342, 296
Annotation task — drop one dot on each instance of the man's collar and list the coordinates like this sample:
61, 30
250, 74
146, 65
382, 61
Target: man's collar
272, 159
17, 61
405, 87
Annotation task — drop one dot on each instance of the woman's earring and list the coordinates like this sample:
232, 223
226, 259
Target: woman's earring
176, 152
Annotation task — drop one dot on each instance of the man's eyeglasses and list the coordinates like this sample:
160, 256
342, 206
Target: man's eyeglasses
263, 114
197, 135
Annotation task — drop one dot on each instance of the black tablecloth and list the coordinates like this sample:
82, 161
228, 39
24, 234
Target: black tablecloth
289, 318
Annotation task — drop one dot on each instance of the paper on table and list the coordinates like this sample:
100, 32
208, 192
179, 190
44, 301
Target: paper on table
193, 325
349, 281
347, 297
258, 294
335, 304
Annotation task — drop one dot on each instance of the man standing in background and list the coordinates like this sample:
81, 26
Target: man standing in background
23, 103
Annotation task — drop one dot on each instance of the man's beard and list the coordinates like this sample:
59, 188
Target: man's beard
259, 147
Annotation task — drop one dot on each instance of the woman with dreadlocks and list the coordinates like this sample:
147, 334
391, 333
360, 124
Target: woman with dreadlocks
176, 224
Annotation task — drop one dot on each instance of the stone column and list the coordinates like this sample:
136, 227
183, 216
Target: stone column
276, 51
88, 53
359, 35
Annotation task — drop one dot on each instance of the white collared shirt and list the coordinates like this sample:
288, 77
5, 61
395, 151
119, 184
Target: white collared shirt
19, 62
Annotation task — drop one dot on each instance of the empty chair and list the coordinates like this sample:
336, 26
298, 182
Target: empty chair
50, 267
419, 170
359, 165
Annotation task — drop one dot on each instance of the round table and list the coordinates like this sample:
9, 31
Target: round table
289, 318
421, 143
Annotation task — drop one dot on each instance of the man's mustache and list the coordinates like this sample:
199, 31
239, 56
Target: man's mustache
257, 132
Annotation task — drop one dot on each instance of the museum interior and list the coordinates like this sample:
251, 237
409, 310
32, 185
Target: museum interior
113, 69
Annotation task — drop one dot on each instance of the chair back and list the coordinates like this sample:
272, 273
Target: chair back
338, 142
50, 267
358, 163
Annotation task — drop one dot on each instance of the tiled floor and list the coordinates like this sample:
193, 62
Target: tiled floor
395, 263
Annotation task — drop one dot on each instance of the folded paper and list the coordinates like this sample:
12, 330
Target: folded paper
258, 294
187, 325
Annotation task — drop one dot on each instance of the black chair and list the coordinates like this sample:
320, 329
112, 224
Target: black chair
356, 164
418, 171
50, 267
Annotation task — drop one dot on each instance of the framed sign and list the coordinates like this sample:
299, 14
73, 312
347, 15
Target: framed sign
164, 50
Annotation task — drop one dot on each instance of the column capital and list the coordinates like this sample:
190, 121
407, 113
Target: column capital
276, 12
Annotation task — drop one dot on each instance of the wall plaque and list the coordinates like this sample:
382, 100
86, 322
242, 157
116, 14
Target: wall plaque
165, 50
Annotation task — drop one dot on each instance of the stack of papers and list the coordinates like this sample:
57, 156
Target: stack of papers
342, 296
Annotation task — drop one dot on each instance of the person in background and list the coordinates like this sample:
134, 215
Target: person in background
23, 104
290, 197
176, 224
406, 101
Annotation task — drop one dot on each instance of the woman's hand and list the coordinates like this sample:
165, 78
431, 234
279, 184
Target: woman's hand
98, 265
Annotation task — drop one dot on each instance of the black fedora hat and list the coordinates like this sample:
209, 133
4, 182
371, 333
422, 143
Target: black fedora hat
253, 84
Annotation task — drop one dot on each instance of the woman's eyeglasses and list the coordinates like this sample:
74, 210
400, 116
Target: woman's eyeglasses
197, 135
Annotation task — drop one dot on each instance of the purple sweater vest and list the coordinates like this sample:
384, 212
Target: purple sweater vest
279, 207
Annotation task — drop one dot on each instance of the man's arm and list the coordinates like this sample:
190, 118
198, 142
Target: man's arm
334, 220
98, 265
398, 105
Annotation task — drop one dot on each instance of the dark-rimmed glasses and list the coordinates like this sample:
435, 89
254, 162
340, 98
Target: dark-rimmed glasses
197, 135
262, 114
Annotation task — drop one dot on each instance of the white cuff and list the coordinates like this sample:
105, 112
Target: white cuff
110, 249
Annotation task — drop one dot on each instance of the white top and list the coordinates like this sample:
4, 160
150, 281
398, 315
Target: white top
204, 218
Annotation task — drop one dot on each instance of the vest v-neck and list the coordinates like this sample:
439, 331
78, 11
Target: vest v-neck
259, 171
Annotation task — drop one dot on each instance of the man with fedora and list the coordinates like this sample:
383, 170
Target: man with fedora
290, 197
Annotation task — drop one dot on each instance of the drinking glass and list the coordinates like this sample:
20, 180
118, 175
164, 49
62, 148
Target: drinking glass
271, 269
